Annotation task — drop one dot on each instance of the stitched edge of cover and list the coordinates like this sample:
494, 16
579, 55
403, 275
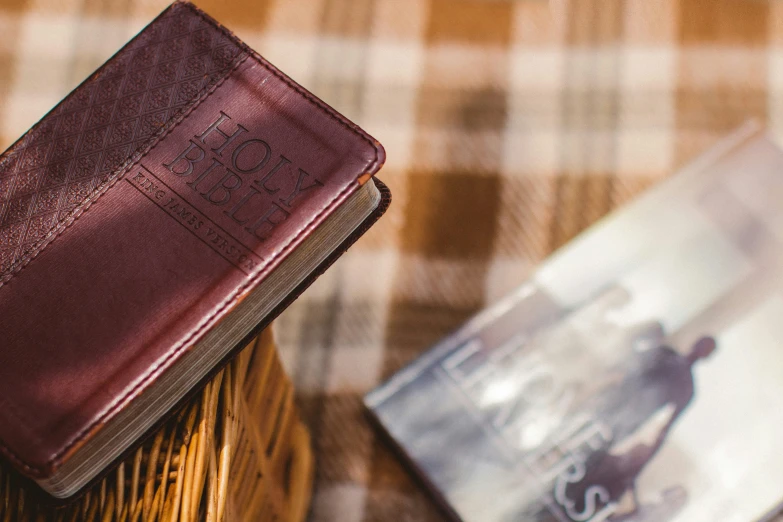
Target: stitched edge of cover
371, 167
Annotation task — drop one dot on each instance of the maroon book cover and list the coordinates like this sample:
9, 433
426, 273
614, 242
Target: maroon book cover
165, 210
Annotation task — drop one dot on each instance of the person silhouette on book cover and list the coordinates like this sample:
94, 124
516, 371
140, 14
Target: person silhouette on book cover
657, 387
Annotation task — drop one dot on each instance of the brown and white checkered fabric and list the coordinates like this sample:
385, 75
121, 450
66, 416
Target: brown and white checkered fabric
509, 126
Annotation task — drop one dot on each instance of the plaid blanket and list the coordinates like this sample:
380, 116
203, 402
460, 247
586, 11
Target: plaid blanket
509, 126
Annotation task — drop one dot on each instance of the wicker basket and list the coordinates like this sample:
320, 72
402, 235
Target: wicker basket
238, 452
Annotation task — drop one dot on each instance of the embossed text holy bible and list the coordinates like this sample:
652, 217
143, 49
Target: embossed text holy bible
150, 224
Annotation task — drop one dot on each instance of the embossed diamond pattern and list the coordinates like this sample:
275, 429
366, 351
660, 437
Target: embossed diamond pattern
64, 158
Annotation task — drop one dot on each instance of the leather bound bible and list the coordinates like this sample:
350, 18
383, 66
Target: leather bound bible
155, 220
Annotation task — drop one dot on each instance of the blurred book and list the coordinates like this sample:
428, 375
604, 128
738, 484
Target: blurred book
636, 376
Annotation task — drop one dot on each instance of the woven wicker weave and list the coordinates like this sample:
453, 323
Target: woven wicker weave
238, 452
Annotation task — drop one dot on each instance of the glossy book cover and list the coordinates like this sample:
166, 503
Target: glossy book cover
636, 377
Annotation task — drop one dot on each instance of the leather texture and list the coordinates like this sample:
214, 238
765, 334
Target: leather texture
188, 200
386, 198
57, 164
